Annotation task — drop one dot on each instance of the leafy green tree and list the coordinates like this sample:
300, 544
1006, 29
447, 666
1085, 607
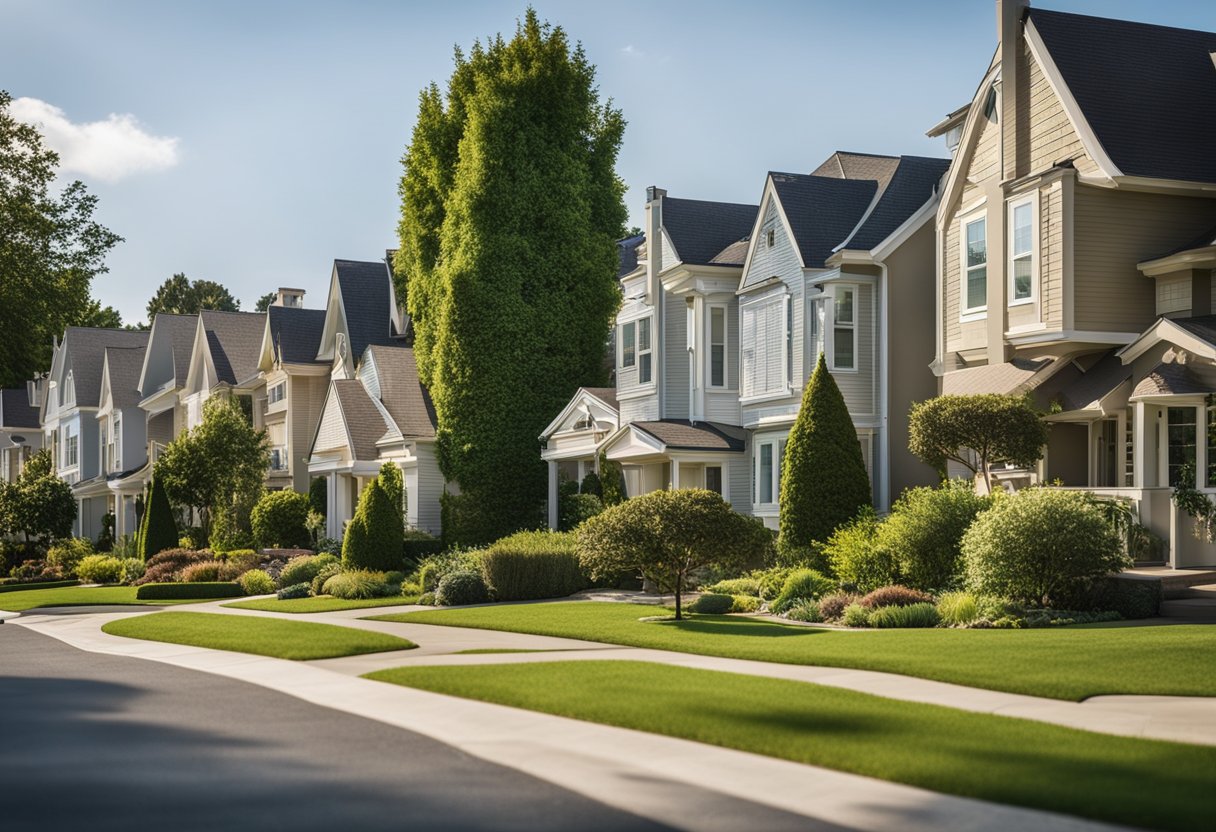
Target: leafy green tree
374, 538
667, 536
511, 207
51, 249
218, 465
976, 431
178, 295
264, 302
98, 316
823, 475
280, 520
38, 505
158, 531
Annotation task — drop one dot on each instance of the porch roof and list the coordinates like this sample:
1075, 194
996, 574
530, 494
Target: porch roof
683, 435
1017, 376
1170, 380
1092, 391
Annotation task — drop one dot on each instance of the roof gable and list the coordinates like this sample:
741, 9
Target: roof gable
167, 357
120, 376
84, 355
401, 392
913, 182
291, 336
821, 210
234, 341
700, 230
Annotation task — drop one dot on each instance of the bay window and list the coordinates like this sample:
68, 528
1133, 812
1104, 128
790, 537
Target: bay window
644, 369
628, 344
815, 317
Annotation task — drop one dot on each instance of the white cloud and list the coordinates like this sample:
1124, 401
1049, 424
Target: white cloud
108, 150
631, 50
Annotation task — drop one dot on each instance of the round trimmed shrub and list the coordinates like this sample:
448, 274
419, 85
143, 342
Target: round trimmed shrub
461, 587
924, 533
99, 569
300, 590
280, 520
529, 565
302, 569
374, 537
324, 574
712, 604
256, 582
802, 585
574, 509
1038, 544
895, 596
913, 615
855, 615
831, 607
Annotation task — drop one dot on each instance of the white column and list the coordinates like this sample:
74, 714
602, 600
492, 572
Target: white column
1140, 439
553, 494
675, 474
333, 525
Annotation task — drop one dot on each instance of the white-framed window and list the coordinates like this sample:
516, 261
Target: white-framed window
107, 449
69, 390
844, 328
764, 342
975, 266
117, 457
644, 353
629, 344
717, 346
277, 393
1023, 250
770, 237
766, 473
815, 319
713, 478
71, 446
789, 343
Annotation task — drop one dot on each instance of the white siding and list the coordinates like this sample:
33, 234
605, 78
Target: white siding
780, 260
367, 375
424, 502
670, 257
331, 434
740, 479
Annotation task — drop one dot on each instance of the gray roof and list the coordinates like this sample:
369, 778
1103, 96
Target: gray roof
845, 164
181, 330
734, 254
910, 186
363, 419
401, 392
821, 210
1201, 326
1015, 376
681, 434
15, 409
125, 364
366, 297
605, 394
699, 230
1096, 383
296, 333
235, 341
627, 254
85, 348
1170, 380
1148, 92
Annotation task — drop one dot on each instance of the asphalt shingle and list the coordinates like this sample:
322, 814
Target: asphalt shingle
15, 409
125, 364
296, 333
85, 349
681, 434
401, 392
367, 300
235, 341
700, 230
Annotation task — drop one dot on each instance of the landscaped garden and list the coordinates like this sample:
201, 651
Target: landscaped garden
1121, 780
85, 596
275, 637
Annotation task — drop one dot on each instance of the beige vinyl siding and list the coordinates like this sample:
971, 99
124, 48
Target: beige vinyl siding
305, 398
160, 427
858, 388
1047, 136
985, 161
1051, 255
1115, 230
674, 354
331, 435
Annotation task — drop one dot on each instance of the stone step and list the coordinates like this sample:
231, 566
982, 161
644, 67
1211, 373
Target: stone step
1201, 609
1201, 591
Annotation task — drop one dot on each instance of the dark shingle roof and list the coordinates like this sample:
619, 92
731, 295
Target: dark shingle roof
605, 394
363, 419
1201, 326
181, 330
85, 348
1096, 383
909, 187
235, 341
681, 434
1205, 240
734, 254
821, 210
15, 410
1170, 380
401, 392
627, 254
699, 230
1148, 92
296, 333
125, 365
366, 298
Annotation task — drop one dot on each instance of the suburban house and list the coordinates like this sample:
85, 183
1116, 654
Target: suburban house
20, 432
122, 435
1076, 240
374, 408
223, 359
69, 421
840, 263
161, 381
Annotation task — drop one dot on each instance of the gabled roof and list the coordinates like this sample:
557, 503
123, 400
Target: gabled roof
124, 365
364, 421
683, 435
235, 341
180, 330
911, 184
401, 392
85, 348
1170, 380
15, 409
1201, 326
1148, 92
845, 164
822, 210
1088, 390
734, 254
699, 230
367, 300
605, 394
295, 334
1017, 376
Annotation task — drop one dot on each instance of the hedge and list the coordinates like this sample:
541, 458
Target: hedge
419, 545
177, 592
530, 565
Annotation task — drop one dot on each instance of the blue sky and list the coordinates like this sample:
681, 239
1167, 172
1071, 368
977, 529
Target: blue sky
264, 138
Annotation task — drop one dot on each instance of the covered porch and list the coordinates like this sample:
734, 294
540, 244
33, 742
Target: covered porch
572, 442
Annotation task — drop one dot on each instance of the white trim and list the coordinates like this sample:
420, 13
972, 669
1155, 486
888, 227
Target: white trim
769, 193
906, 229
836, 290
971, 312
1011, 206
1165, 330
709, 353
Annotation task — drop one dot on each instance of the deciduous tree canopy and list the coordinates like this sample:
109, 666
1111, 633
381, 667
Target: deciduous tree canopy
181, 296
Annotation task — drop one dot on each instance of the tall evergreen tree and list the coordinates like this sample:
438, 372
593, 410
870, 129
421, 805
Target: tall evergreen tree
159, 530
823, 475
510, 208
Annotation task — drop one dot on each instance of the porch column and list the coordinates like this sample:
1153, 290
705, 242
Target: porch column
675, 474
1140, 436
553, 494
333, 526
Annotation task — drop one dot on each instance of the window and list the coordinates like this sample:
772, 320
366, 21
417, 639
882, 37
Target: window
71, 447
1180, 429
766, 472
770, 237
277, 393
713, 478
764, 341
628, 354
976, 266
844, 329
1021, 252
644, 373
815, 316
107, 451
717, 346
117, 442
789, 343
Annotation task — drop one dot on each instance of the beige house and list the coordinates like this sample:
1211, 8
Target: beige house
1074, 246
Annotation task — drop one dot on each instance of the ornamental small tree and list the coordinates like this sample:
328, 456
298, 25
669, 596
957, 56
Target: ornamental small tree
39, 505
373, 538
667, 535
280, 520
823, 476
158, 531
976, 431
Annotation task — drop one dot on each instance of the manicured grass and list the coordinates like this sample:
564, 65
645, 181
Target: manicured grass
1146, 783
72, 596
1061, 663
275, 637
323, 603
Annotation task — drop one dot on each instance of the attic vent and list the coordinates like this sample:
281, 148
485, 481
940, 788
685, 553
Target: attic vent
990, 105
770, 237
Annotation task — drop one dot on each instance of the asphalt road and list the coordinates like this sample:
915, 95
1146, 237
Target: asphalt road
98, 742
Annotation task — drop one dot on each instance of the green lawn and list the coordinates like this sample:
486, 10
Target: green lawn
71, 596
1135, 782
274, 637
1063, 663
324, 603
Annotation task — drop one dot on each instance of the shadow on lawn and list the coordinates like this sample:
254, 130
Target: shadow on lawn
731, 626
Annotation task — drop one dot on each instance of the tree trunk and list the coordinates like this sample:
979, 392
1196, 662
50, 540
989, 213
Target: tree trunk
679, 584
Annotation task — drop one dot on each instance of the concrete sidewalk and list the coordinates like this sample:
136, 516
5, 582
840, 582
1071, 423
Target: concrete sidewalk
654, 776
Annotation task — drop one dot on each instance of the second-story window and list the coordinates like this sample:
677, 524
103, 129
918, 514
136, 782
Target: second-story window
644, 355
116, 456
844, 329
277, 393
717, 346
976, 281
629, 344
764, 346
1021, 252
71, 447
815, 322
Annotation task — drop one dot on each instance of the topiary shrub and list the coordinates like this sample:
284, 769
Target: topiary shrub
459, 588
66, 554
856, 558
912, 615
256, 582
302, 569
374, 538
806, 611
802, 585
99, 569
280, 520
895, 596
207, 570
1040, 543
529, 565
574, 509
958, 609
924, 533
710, 603
358, 584
300, 590
855, 615
323, 575
180, 591
832, 607
158, 530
